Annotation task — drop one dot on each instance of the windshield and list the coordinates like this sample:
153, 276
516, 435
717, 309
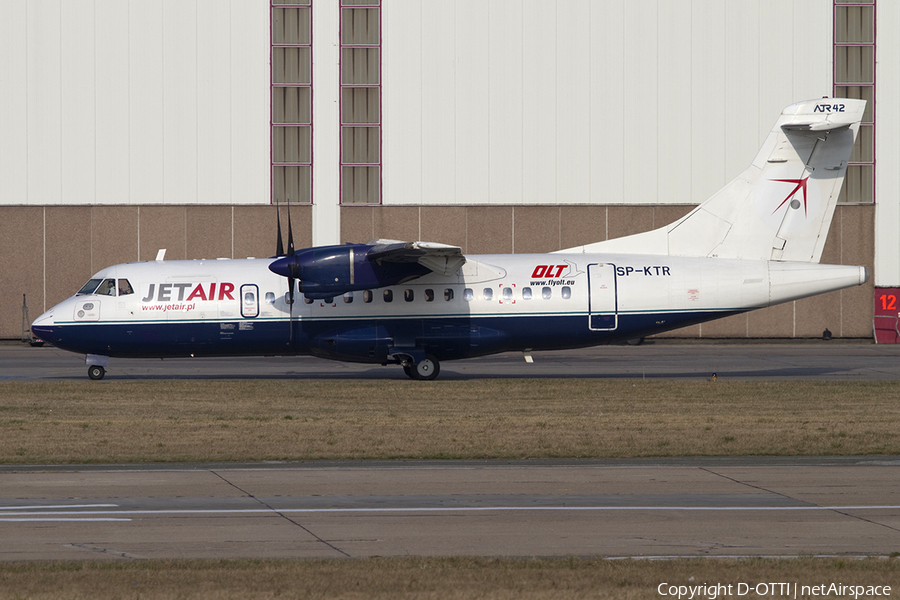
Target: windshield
89, 287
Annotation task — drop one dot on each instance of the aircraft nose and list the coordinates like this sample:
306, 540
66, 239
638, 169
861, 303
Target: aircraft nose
42, 327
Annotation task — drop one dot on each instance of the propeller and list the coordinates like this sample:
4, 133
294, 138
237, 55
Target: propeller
293, 265
279, 247
279, 252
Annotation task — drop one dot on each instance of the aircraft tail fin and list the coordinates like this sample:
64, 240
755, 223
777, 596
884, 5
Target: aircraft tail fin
780, 207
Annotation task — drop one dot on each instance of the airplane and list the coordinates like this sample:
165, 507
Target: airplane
755, 243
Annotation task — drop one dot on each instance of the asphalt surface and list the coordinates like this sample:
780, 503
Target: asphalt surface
663, 508
773, 506
814, 359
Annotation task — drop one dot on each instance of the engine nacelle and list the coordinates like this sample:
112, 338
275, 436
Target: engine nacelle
329, 271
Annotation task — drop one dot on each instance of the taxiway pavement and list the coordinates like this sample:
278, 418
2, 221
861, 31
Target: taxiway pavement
678, 507
647, 508
812, 359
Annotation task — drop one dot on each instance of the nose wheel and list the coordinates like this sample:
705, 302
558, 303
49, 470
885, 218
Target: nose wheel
425, 370
96, 372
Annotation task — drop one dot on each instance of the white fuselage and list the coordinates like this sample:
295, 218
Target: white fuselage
494, 303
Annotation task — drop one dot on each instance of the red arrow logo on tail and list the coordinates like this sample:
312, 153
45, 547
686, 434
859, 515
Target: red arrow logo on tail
800, 185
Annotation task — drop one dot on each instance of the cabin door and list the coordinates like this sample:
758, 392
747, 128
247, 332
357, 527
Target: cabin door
602, 305
249, 301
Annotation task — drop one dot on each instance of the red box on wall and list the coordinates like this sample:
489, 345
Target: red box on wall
887, 315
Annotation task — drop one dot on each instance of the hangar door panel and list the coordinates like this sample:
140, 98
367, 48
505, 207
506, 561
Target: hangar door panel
603, 307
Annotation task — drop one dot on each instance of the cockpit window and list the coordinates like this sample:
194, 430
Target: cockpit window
125, 287
89, 287
107, 288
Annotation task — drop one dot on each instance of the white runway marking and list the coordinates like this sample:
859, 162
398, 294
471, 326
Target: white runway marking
60, 506
38, 517
43, 520
101, 515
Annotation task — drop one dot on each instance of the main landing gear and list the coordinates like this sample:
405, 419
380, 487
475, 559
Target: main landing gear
425, 370
96, 365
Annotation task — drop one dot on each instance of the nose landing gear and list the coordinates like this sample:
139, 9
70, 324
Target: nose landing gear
96, 372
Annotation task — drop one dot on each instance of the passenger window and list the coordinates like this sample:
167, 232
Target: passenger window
348, 298
125, 287
546, 293
448, 294
388, 295
328, 300
526, 293
468, 294
566, 292
488, 293
429, 295
367, 296
408, 295
89, 287
107, 288
307, 300
249, 298
270, 297
507, 294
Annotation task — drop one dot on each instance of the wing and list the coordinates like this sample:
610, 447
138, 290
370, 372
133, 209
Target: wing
442, 259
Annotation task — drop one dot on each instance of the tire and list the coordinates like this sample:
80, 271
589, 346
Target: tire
426, 370
96, 372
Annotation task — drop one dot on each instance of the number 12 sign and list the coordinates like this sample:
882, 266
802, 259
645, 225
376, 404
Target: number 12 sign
887, 315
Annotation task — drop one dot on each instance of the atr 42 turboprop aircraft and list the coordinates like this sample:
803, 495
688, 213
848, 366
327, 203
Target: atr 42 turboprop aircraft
755, 243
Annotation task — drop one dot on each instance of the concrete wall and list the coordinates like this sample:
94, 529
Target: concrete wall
49, 252
524, 229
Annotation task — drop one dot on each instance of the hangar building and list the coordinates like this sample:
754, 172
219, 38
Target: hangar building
128, 126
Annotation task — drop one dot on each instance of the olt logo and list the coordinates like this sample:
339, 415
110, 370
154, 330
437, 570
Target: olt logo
549, 271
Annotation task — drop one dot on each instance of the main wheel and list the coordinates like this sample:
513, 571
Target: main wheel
426, 369
96, 372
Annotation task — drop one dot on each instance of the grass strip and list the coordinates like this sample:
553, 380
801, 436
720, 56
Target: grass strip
420, 578
252, 420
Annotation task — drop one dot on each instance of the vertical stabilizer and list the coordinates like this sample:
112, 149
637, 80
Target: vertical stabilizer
780, 207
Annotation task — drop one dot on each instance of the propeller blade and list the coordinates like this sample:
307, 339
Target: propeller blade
293, 266
290, 251
279, 247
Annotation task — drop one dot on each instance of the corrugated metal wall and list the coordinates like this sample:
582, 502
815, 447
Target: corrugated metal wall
887, 147
128, 102
574, 101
